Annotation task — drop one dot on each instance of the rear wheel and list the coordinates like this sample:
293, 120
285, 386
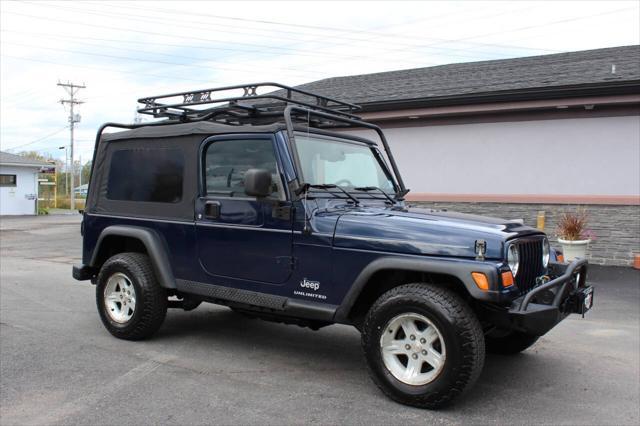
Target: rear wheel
131, 303
423, 344
510, 344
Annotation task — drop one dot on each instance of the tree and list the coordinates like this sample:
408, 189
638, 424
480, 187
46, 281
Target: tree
35, 155
86, 172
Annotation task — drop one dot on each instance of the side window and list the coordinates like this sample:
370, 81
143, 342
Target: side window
8, 180
153, 175
227, 161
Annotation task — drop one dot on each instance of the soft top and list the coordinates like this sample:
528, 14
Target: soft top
193, 128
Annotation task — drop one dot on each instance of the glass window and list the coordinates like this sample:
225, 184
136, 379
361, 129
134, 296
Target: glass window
8, 180
226, 162
153, 175
340, 162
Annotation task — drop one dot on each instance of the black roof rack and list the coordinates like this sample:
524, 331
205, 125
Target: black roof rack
276, 106
243, 104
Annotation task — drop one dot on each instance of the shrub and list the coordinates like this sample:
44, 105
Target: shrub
573, 226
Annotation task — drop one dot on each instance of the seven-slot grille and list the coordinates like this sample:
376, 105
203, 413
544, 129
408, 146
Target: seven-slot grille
530, 251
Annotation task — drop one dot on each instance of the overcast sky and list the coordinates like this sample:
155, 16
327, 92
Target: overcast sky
126, 50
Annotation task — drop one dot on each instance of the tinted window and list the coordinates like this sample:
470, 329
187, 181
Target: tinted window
226, 163
146, 175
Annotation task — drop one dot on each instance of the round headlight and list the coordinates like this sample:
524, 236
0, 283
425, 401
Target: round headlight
546, 252
513, 259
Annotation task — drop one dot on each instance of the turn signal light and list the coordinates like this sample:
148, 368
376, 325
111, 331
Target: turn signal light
507, 279
481, 280
560, 258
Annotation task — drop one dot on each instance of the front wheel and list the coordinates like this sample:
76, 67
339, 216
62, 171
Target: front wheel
131, 303
423, 344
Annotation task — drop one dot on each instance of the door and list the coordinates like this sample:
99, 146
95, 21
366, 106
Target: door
239, 236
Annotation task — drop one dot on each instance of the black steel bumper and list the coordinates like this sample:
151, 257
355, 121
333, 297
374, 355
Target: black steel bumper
83, 272
546, 305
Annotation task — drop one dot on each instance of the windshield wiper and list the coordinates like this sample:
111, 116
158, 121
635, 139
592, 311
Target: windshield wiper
326, 187
375, 188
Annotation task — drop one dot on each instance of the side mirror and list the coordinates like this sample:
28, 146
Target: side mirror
257, 183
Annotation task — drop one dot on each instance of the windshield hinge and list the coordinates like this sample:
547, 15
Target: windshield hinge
480, 249
281, 212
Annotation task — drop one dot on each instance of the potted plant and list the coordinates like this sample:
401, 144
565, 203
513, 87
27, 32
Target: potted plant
573, 235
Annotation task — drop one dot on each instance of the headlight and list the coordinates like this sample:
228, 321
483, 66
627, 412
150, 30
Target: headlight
513, 259
546, 252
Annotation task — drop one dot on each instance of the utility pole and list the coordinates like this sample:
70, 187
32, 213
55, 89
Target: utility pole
72, 90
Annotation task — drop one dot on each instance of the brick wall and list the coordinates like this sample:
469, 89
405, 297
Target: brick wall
617, 228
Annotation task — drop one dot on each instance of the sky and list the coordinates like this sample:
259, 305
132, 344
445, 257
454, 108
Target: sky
122, 51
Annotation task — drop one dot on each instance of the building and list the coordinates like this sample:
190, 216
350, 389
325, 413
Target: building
515, 137
81, 191
19, 184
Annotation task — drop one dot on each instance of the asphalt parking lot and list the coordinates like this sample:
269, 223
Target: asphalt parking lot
58, 365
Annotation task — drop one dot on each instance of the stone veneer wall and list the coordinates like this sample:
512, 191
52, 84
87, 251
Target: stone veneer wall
617, 228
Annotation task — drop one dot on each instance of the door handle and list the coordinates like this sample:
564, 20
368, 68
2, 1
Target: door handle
212, 209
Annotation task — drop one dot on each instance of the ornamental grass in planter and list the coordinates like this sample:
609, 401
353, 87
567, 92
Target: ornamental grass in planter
573, 235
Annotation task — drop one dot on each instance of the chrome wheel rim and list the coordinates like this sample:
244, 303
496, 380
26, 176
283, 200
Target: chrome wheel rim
413, 349
120, 298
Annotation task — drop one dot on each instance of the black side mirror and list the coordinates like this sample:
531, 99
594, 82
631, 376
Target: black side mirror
257, 183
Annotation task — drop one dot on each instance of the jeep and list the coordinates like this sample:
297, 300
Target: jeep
265, 202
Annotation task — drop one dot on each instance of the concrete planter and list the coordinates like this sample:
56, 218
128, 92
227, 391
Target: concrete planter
574, 249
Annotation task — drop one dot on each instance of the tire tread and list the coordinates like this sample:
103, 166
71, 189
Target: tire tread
153, 297
468, 328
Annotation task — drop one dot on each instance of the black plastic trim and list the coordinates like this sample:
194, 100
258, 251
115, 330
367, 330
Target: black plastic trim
251, 299
460, 269
83, 272
152, 242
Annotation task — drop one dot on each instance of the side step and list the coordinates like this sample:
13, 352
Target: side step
260, 302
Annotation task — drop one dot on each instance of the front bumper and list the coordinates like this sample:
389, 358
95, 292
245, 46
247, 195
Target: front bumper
546, 305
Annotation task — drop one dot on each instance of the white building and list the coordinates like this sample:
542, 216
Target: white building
19, 184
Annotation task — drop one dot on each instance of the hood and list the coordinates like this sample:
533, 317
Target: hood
423, 231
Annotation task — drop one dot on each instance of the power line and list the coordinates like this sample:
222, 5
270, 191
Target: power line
280, 50
39, 139
283, 50
107, 69
191, 24
323, 39
142, 59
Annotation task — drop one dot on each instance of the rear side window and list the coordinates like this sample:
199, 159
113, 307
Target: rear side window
153, 175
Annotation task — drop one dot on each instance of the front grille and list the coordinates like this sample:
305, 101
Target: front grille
530, 250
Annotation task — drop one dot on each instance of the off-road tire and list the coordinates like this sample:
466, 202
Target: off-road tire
460, 329
511, 344
151, 299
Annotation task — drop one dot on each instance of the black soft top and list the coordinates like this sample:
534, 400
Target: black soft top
193, 128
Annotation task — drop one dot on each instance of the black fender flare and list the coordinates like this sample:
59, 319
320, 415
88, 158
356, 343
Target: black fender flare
152, 241
459, 268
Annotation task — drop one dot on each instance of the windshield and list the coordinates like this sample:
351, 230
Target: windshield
340, 162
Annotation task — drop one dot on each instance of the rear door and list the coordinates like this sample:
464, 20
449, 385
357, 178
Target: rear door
239, 236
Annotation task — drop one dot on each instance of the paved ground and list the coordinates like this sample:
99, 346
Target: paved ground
58, 365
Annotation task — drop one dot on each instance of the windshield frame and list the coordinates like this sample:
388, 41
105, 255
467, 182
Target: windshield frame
341, 138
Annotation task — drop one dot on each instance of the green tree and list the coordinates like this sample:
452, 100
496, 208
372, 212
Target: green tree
86, 172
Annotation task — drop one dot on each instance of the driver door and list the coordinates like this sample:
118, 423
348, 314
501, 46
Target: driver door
238, 236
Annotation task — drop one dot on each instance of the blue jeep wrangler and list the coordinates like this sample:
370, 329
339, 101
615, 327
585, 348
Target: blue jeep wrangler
266, 204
